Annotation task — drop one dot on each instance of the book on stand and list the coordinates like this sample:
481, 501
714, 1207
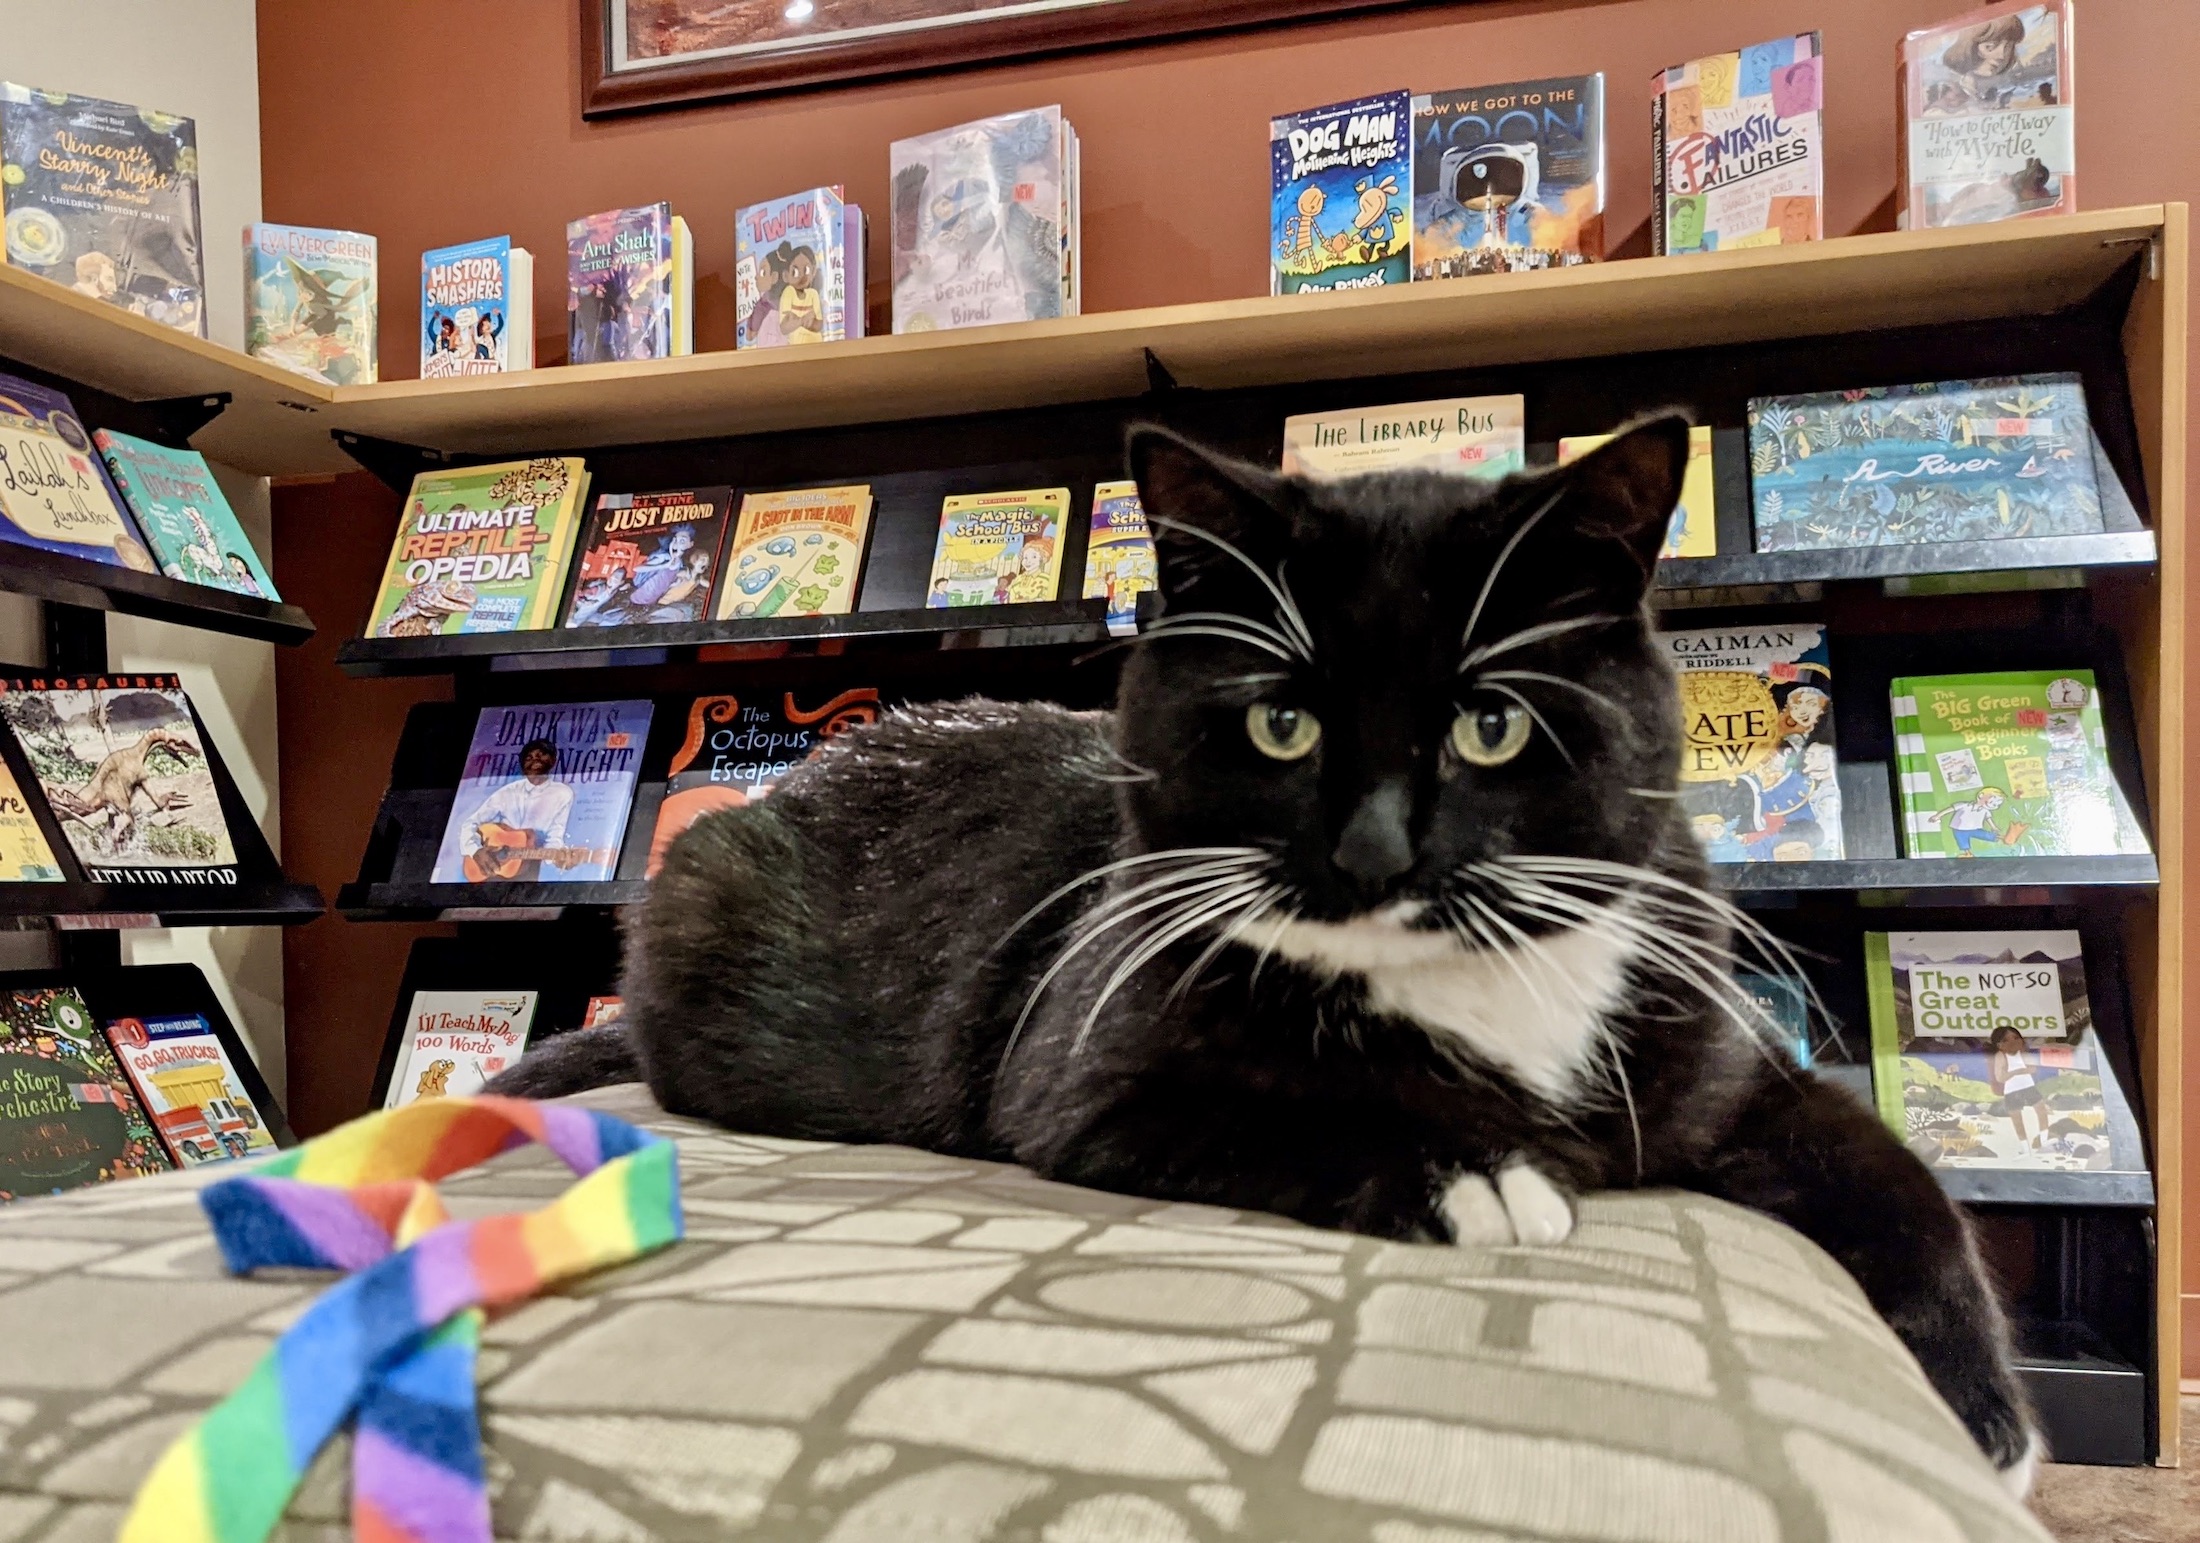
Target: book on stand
183, 515
59, 497
796, 553
648, 557
481, 549
1737, 155
735, 751
1695, 528
185, 1080
104, 197
1987, 126
1120, 562
985, 223
455, 1041
798, 270
999, 548
477, 309
629, 285
310, 302
1508, 177
68, 1115
1473, 436
1341, 195
26, 857
545, 794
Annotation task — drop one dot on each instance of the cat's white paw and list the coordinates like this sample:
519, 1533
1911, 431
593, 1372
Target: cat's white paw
1538, 1212
1477, 1216
2018, 1476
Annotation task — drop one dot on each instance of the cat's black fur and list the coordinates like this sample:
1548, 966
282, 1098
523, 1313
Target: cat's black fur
864, 956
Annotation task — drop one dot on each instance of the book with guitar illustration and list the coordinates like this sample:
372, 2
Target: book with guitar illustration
545, 794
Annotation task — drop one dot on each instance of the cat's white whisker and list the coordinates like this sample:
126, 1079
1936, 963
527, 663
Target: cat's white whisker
1504, 555
1528, 637
1537, 677
1529, 708
1263, 903
1261, 641
1243, 854
1162, 938
1287, 609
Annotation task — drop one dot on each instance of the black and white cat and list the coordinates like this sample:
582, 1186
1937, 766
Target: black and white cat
1370, 904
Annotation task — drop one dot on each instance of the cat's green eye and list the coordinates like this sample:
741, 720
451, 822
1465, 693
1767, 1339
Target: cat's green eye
1282, 733
1491, 735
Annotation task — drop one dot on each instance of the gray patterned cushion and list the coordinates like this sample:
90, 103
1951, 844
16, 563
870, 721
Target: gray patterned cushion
874, 1345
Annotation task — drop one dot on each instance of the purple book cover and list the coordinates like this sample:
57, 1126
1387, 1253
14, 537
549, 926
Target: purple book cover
55, 493
618, 276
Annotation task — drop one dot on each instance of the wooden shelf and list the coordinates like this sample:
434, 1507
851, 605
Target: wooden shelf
104, 587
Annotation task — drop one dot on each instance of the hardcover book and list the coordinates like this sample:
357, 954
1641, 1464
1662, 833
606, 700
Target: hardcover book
104, 197
648, 557
985, 222
310, 302
1508, 177
1758, 768
1695, 528
481, 549
1474, 436
1737, 154
1120, 563
999, 548
798, 270
1988, 129
455, 1041
1783, 1011
1958, 460
735, 752
629, 286
1341, 195
25, 855
185, 1080
545, 794
68, 1116
124, 771
2008, 765
1985, 1053
183, 516
477, 309
797, 553
56, 495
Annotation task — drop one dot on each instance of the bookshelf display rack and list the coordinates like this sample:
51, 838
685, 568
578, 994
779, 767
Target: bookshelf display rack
2102, 294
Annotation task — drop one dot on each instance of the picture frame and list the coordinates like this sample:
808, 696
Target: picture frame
646, 55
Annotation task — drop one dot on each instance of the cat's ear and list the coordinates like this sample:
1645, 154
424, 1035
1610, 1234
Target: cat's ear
1627, 488
1211, 514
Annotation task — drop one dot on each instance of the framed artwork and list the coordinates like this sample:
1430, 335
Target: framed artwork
639, 54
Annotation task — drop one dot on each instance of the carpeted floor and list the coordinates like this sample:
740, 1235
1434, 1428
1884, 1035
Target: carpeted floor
2125, 1505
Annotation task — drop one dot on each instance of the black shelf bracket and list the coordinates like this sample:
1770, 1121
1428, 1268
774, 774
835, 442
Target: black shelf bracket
180, 417
1159, 382
394, 463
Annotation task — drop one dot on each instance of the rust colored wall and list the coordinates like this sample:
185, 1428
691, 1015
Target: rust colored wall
432, 121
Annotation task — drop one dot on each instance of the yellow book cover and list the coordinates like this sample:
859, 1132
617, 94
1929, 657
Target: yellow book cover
25, 858
482, 549
1695, 528
999, 548
796, 553
1119, 554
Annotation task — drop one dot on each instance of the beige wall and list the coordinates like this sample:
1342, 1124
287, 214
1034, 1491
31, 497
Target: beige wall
199, 58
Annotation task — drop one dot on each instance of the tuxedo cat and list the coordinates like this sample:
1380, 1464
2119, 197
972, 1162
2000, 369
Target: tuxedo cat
1370, 904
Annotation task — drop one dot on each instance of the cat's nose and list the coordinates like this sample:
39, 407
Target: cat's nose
1376, 847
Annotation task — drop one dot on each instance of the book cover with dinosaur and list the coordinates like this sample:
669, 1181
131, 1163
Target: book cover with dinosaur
545, 794
481, 549
68, 1116
455, 1041
56, 495
796, 553
187, 1084
310, 302
735, 751
187, 521
122, 766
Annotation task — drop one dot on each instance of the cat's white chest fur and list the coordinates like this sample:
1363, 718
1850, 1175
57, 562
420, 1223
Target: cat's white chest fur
1533, 1013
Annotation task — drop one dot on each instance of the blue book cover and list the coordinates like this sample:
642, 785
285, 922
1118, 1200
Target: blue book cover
545, 794
104, 197
55, 494
1508, 177
310, 302
1783, 1010
798, 270
467, 309
180, 508
1960, 460
1342, 195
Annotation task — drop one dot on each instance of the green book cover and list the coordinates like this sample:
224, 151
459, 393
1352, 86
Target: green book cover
1886, 1031
2007, 765
179, 506
68, 1115
482, 549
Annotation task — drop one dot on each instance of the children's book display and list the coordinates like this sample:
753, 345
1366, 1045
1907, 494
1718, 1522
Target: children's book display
123, 770
985, 223
477, 309
1695, 528
798, 270
1120, 563
796, 553
999, 548
1508, 177
629, 286
455, 1041
545, 794
1341, 196
1965, 460
186, 1081
26, 857
104, 197
1987, 129
57, 496
2008, 765
1474, 436
1737, 153
310, 302
1758, 777
735, 751
648, 557
68, 1115
481, 549
183, 515
1986, 1053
